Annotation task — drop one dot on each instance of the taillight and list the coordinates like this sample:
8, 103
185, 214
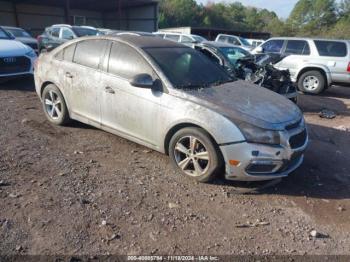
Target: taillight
348, 68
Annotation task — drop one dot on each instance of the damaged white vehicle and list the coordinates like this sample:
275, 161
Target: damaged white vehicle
173, 99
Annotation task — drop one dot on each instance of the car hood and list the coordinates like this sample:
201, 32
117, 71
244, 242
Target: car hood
245, 102
26, 40
12, 48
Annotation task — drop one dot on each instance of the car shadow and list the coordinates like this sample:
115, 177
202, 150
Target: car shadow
23, 83
330, 100
323, 175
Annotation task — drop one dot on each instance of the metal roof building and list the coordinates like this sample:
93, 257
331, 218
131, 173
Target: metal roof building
35, 15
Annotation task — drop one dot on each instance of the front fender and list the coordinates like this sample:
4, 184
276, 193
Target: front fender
180, 113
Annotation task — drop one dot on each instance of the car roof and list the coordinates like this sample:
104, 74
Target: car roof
217, 44
11, 27
306, 38
146, 41
135, 41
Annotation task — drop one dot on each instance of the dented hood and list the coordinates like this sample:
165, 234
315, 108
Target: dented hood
245, 102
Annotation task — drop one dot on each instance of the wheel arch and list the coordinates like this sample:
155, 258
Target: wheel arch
45, 84
171, 132
322, 70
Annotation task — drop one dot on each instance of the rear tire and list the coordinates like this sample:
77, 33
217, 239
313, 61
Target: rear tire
195, 154
312, 82
54, 106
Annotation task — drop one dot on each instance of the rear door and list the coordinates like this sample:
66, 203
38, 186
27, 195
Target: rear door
336, 55
83, 79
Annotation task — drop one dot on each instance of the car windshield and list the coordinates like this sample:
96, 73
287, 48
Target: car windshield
18, 32
199, 39
244, 41
234, 53
82, 31
187, 68
4, 35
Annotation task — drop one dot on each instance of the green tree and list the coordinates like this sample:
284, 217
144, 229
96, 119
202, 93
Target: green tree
179, 13
312, 17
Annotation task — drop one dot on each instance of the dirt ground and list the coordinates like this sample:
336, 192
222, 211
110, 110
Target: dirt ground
78, 190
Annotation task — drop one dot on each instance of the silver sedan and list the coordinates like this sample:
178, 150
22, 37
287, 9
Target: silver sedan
173, 99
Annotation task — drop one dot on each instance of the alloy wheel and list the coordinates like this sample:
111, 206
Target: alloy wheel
53, 105
192, 156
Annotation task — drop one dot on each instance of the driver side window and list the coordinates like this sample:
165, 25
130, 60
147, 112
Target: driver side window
126, 62
273, 46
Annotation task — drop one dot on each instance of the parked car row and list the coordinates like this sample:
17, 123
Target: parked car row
313, 64
16, 58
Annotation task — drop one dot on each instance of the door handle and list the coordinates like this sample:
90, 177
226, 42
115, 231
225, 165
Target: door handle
109, 90
69, 75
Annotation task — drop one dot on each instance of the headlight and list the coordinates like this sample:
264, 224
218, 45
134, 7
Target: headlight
258, 135
31, 53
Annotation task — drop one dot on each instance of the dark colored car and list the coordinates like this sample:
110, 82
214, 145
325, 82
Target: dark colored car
58, 34
259, 70
23, 36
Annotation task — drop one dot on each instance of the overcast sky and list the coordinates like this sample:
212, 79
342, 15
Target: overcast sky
281, 7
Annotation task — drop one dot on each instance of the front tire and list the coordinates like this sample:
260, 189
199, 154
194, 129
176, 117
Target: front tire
195, 154
54, 105
312, 82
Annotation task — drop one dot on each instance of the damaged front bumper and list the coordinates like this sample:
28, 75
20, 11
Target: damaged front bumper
259, 162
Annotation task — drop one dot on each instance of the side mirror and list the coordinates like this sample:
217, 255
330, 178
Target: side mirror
259, 49
142, 80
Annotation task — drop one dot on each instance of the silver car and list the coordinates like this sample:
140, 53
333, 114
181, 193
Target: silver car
314, 64
173, 99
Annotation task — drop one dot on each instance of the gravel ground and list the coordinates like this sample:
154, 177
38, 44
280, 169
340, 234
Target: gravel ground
77, 190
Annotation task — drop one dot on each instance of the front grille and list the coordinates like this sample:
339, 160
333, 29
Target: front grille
292, 162
12, 65
293, 126
33, 45
298, 140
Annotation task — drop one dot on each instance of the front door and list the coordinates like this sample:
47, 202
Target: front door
132, 111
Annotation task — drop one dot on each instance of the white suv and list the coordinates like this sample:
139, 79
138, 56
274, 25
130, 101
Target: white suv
187, 39
314, 64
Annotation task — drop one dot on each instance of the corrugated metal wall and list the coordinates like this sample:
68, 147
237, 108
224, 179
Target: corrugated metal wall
36, 17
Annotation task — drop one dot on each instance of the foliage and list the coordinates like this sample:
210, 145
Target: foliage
324, 18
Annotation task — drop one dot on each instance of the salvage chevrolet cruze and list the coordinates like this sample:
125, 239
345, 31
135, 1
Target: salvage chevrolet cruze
173, 99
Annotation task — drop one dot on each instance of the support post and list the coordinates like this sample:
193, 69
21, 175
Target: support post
67, 12
14, 7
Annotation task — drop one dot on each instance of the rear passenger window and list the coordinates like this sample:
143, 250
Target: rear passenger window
67, 53
273, 46
55, 32
222, 38
297, 47
186, 39
331, 48
88, 53
175, 38
126, 62
233, 40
